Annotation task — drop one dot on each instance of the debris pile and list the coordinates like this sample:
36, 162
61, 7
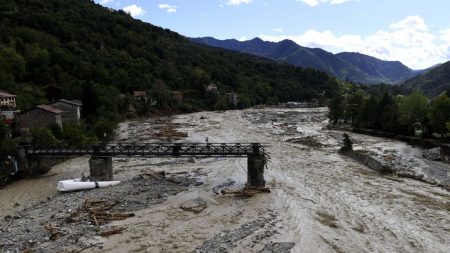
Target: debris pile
309, 141
73, 220
98, 212
169, 133
248, 191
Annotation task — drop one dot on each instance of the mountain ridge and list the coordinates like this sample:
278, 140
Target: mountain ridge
432, 82
351, 66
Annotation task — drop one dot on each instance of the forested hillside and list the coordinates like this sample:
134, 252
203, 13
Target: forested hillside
355, 67
432, 82
76, 49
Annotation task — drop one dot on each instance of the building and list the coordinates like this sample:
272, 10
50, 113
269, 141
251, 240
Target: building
39, 116
7, 100
71, 109
212, 89
140, 95
8, 110
232, 98
8, 116
178, 96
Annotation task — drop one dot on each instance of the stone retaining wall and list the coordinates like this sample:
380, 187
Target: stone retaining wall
368, 160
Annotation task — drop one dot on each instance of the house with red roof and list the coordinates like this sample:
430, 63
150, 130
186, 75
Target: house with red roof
37, 117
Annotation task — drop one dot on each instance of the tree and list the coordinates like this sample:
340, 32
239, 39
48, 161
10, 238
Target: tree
2, 131
74, 133
336, 108
367, 116
42, 136
104, 130
354, 105
413, 109
440, 114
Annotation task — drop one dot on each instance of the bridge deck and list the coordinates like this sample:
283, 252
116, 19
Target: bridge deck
150, 150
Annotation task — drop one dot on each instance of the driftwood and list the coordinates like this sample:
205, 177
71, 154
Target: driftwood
98, 212
114, 216
112, 231
95, 219
248, 191
9, 224
54, 233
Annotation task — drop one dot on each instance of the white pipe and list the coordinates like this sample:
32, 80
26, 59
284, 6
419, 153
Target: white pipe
76, 185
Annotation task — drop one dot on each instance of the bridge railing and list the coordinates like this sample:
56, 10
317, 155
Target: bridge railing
150, 150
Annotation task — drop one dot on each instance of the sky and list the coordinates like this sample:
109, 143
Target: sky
415, 32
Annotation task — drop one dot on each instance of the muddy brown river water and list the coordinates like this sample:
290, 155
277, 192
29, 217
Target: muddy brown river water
320, 201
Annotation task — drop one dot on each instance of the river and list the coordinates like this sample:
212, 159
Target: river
323, 202
320, 201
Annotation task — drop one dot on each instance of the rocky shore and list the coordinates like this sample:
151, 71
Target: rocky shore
60, 222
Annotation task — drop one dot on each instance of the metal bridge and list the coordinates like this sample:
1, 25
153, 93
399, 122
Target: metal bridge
101, 155
149, 150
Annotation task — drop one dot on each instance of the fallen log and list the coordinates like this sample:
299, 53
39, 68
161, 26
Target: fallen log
248, 191
111, 231
114, 216
9, 224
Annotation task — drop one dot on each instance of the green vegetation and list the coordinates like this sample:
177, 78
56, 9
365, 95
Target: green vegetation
72, 133
397, 115
76, 49
431, 82
7, 148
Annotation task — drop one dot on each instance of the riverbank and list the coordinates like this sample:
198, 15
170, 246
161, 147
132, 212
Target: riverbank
412, 140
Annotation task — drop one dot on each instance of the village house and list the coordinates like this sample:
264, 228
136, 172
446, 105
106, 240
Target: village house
177, 96
7, 100
140, 95
212, 89
37, 117
232, 98
71, 109
8, 110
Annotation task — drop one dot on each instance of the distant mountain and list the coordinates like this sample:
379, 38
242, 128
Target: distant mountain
348, 66
431, 82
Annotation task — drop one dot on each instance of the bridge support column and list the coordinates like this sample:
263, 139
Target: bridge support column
101, 168
255, 170
23, 163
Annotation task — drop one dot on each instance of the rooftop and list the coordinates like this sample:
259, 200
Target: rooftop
140, 93
71, 102
48, 108
5, 94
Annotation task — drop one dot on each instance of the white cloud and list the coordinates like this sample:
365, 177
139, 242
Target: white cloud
338, 1
243, 38
412, 23
313, 3
407, 40
103, 2
445, 36
134, 10
280, 30
168, 8
238, 2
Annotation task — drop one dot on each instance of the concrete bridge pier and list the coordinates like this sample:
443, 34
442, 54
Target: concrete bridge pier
255, 171
255, 167
101, 168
